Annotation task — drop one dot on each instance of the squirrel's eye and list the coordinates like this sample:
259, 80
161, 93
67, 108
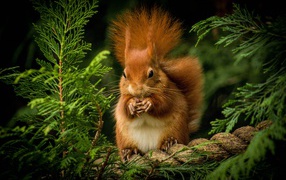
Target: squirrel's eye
151, 73
123, 74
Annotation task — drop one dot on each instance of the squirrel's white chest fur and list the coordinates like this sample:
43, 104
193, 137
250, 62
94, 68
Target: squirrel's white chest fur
146, 132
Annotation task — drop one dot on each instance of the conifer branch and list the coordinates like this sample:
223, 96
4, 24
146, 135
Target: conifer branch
99, 128
264, 44
62, 97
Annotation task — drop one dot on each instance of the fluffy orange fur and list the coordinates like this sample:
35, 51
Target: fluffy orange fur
160, 99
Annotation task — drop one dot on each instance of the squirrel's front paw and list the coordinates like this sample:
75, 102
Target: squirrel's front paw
169, 142
132, 106
144, 106
128, 152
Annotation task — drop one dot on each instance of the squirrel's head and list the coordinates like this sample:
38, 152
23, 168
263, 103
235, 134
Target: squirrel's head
142, 75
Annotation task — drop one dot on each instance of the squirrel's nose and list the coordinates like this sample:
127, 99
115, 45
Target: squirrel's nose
136, 90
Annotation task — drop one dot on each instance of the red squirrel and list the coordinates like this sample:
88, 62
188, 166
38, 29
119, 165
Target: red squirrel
160, 98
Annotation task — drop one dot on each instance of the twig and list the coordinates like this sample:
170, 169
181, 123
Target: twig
99, 176
99, 128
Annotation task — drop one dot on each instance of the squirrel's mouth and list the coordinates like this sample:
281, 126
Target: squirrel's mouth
142, 96
138, 92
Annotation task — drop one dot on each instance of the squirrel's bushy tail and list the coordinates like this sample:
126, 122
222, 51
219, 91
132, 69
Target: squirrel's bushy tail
142, 28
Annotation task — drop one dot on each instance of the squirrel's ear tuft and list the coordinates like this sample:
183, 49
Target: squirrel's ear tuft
119, 35
152, 52
165, 31
127, 43
143, 28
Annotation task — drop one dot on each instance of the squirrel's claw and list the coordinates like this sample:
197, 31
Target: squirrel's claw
128, 152
168, 143
131, 108
147, 105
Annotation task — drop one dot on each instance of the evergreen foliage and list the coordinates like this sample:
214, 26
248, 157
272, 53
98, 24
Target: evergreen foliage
264, 42
61, 137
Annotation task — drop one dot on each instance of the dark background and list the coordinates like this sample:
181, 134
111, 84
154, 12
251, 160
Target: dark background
19, 49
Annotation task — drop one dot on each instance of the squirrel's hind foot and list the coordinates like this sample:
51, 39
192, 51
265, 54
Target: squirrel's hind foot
169, 142
128, 152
